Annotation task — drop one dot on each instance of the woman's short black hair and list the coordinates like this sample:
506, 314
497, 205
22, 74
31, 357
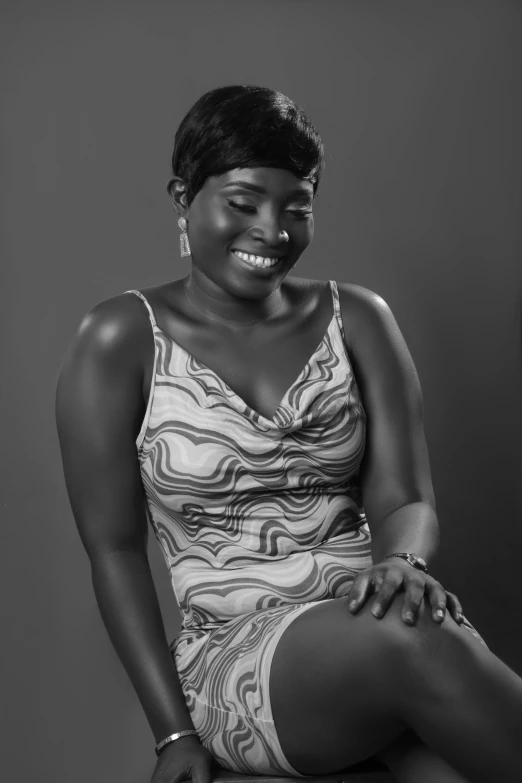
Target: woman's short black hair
244, 126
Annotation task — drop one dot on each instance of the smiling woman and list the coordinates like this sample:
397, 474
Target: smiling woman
269, 428
246, 167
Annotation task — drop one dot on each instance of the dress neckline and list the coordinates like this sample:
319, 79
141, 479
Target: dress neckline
231, 394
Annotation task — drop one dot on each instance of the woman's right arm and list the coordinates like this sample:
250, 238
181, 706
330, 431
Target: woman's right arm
99, 410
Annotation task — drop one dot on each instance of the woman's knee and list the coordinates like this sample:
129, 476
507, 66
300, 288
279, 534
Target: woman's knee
427, 652
426, 636
357, 654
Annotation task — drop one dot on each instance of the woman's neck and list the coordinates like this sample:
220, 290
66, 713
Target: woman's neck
211, 303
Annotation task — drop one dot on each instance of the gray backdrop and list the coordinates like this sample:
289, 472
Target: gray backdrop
418, 105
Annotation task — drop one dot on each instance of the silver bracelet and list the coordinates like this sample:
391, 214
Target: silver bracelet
173, 737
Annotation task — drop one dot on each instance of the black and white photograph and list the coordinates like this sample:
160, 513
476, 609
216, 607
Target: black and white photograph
262, 371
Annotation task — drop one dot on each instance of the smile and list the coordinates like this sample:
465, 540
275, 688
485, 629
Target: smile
256, 260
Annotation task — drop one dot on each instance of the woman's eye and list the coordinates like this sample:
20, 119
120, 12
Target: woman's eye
242, 207
300, 213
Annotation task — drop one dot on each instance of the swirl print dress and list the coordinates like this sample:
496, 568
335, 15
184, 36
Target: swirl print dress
258, 519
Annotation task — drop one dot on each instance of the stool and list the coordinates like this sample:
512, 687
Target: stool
369, 771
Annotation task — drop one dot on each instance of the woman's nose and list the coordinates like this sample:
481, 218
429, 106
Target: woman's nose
270, 232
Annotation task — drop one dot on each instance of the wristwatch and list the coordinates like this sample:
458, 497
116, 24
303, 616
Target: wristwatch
416, 562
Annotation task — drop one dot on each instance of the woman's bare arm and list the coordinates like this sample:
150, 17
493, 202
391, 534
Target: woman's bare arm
99, 410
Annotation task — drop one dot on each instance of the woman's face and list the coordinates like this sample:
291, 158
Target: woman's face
264, 212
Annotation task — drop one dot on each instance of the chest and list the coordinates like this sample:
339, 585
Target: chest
259, 367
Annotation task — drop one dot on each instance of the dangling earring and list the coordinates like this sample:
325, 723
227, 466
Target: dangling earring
184, 247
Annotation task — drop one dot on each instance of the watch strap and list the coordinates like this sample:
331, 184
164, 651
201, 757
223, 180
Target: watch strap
412, 559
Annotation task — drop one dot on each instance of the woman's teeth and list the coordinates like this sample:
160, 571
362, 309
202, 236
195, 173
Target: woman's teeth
255, 260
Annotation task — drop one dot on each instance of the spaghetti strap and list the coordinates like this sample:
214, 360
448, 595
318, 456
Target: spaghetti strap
149, 308
146, 420
337, 306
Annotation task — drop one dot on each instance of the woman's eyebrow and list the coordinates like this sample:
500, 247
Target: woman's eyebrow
258, 189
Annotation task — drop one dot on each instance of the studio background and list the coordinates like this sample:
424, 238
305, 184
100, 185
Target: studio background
418, 104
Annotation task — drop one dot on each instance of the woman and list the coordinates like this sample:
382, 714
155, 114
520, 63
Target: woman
270, 430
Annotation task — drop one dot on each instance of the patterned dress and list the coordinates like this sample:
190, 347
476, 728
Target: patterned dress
258, 520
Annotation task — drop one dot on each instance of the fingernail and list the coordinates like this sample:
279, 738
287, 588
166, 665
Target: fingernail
352, 605
408, 617
377, 612
439, 613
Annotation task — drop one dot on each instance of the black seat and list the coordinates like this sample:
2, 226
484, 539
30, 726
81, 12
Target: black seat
369, 771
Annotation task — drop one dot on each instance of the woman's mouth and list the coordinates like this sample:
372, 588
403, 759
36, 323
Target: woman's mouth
259, 262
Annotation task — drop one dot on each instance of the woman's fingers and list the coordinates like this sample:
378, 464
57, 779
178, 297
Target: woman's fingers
387, 582
438, 600
415, 589
390, 584
455, 607
360, 591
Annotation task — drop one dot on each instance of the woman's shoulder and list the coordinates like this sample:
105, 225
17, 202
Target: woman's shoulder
357, 294
123, 315
114, 329
372, 333
358, 304
361, 308
359, 301
347, 291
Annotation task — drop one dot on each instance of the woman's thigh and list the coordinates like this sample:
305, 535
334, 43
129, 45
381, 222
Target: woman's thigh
334, 684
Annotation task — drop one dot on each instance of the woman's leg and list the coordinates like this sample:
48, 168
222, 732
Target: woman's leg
344, 687
412, 761
329, 688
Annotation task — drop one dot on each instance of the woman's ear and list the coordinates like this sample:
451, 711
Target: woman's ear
177, 191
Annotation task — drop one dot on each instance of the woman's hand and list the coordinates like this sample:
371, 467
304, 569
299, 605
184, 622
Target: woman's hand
184, 759
393, 575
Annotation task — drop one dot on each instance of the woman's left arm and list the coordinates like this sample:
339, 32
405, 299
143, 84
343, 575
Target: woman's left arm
395, 475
